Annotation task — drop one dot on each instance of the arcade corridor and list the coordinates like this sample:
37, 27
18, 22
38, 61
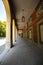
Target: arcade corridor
24, 33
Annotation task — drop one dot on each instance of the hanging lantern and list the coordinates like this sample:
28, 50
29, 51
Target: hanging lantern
23, 17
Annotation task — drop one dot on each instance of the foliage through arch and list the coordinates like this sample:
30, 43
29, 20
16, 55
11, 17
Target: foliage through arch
2, 29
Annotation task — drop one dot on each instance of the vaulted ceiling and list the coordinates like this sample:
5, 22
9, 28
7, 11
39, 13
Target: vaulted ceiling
19, 5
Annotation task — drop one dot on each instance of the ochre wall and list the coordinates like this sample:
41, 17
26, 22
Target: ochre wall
33, 25
35, 32
35, 20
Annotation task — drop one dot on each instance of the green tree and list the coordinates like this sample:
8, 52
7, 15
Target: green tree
2, 29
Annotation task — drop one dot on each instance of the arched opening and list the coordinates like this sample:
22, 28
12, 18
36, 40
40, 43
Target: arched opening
2, 24
8, 23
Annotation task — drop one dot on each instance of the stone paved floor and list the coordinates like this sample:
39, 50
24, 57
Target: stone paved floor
23, 53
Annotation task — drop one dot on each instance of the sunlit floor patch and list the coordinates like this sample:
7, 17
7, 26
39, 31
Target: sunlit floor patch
2, 41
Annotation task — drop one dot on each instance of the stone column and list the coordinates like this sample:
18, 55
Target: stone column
13, 30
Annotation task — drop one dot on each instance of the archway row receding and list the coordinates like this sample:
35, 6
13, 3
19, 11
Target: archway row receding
9, 33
